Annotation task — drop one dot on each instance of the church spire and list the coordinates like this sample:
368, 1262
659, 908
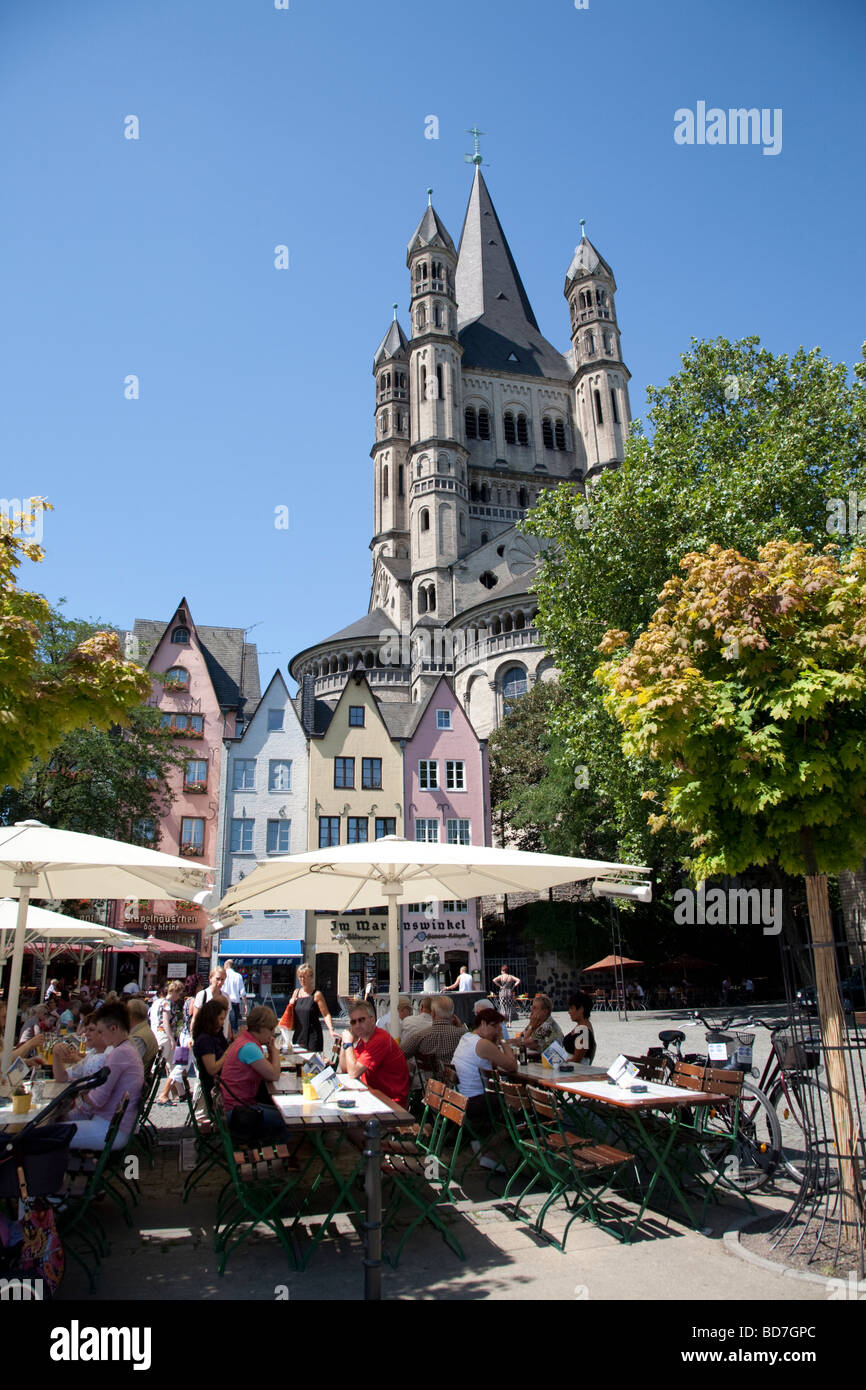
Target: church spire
488, 282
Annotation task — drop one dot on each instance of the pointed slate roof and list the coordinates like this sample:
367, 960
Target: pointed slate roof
587, 261
394, 344
232, 663
429, 230
496, 325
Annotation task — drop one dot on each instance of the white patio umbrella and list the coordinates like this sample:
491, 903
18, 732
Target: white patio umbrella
37, 861
50, 934
397, 871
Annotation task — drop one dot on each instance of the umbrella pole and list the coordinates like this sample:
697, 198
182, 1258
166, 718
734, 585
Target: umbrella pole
392, 890
24, 881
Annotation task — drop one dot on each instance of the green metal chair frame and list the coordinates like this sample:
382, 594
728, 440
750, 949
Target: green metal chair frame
75, 1207
257, 1192
426, 1179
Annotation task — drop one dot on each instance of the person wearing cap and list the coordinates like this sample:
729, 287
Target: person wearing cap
478, 1052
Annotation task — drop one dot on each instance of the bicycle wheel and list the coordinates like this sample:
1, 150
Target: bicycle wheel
749, 1161
803, 1106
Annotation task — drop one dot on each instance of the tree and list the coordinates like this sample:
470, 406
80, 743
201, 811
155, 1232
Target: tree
44, 696
532, 790
743, 447
111, 783
748, 690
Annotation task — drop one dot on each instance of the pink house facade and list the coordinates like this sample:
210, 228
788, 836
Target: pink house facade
446, 790
204, 681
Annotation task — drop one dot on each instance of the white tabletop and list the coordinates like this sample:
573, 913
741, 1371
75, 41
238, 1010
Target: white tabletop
294, 1107
624, 1095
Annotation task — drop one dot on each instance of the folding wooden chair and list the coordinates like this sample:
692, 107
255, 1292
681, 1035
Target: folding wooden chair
260, 1182
426, 1180
78, 1224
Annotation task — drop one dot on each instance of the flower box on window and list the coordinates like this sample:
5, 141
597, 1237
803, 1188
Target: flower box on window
195, 787
172, 683
193, 851
187, 733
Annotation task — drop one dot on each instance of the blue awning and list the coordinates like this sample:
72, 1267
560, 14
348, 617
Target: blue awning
271, 950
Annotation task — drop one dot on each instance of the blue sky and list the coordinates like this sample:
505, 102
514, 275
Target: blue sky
306, 127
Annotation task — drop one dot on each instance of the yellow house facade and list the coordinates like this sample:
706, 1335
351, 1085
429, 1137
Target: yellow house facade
355, 796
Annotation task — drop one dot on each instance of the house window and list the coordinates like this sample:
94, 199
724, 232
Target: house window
455, 775
371, 773
242, 836
279, 836
599, 415
275, 720
178, 675
483, 423
344, 772
192, 833
455, 905
443, 719
196, 772
356, 716
279, 775
145, 830
357, 830
385, 825
510, 433
417, 908
329, 831
196, 723
428, 774
458, 832
180, 636
244, 775
427, 831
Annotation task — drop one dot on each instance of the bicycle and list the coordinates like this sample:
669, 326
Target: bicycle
802, 1102
754, 1156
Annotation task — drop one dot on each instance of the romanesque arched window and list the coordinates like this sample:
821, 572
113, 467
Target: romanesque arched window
560, 434
425, 519
513, 686
522, 430
599, 414
484, 423
471, 418
510, 432
547, 432
385, 481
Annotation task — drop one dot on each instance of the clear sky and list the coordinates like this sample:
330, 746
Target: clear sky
306, 127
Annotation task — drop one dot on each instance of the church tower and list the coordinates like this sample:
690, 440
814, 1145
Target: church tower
438, 491
600, 380
391, 449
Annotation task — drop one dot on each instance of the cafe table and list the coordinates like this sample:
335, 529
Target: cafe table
315, 1120
628, 1113
51, 1089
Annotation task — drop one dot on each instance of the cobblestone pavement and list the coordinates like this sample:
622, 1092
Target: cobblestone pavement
168, 1254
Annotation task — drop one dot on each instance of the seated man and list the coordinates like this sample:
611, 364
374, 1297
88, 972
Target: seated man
415, 1025
371, 1054
440, 1040
142, 1035
93, 1111
542, 1028
250, 1066
67, 1062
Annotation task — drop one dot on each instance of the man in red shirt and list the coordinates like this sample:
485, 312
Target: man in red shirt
372, 1054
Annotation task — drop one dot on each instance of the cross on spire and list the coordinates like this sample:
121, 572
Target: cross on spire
476, 157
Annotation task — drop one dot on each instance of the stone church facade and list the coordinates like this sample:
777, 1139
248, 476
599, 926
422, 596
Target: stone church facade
476, 414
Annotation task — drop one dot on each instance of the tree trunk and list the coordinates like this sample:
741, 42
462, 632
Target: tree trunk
834, 1037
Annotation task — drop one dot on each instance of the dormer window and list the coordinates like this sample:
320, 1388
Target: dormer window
177, 678
180, 636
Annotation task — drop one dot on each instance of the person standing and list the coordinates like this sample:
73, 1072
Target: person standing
463, 984
234, 992
310, 1008
508, 986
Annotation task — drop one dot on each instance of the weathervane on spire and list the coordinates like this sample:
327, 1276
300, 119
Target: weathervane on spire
476, 157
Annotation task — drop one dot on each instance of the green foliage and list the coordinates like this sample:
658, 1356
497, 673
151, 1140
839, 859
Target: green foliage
711, 470
100, 782
46, 691
748, 688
